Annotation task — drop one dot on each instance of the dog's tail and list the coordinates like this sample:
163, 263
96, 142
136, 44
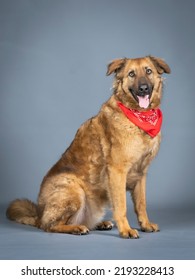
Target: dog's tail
23, 211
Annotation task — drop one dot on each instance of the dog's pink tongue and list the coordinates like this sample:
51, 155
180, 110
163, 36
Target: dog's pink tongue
144, 101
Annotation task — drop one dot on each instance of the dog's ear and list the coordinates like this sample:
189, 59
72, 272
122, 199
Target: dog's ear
160, 64
115, 65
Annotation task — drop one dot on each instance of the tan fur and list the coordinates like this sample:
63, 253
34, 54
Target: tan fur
108, 156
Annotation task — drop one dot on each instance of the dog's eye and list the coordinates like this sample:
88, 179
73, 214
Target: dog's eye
132, 73
148, 71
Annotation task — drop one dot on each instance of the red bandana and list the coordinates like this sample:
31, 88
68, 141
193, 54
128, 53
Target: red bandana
149, 121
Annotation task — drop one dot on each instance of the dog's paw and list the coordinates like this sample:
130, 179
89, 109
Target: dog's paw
149, 227
106, 225
129, 233
80, 230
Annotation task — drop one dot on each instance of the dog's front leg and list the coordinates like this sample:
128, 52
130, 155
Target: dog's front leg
139, 199
117, 185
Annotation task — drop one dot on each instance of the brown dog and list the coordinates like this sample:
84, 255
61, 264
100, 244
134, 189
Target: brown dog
110, 154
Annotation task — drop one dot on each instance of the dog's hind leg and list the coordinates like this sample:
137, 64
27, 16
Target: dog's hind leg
105, 225
60, 227
64, 212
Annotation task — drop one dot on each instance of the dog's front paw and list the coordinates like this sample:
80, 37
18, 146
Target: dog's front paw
149, 227
129, 233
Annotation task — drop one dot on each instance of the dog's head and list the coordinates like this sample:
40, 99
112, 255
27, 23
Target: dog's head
138, 82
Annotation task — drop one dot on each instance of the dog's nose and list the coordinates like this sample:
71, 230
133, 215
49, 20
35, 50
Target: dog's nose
143, 89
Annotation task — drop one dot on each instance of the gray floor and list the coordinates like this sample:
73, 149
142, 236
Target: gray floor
176, 240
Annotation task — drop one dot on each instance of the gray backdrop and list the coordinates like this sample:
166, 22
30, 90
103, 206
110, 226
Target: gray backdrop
52, 78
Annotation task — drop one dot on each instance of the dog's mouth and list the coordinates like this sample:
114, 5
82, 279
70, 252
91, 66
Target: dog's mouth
142, 99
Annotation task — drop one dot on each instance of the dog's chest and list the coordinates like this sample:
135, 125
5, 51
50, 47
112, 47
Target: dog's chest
141, 151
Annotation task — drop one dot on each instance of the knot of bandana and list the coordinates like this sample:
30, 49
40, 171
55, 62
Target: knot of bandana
150, 121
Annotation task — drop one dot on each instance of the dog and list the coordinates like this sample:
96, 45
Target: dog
110, 154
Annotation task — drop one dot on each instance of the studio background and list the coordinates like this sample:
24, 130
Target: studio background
53, 57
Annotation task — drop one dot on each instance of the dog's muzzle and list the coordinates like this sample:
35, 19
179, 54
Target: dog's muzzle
142, 94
